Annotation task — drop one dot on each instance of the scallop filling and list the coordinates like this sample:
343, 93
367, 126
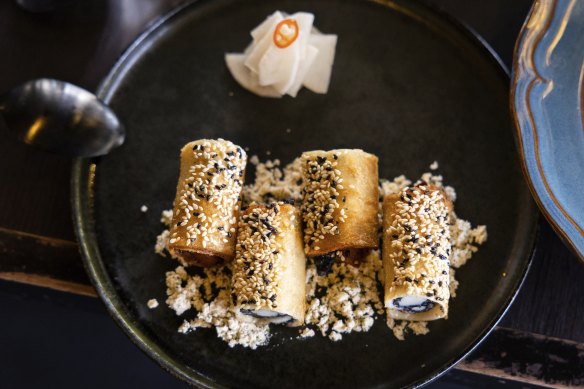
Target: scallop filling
274, 317
413, 304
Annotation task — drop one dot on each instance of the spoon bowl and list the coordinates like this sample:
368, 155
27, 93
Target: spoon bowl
60, 117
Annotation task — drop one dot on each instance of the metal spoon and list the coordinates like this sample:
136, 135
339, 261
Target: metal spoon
61, 118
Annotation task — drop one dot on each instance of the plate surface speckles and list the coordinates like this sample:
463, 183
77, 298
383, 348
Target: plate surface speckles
407, 85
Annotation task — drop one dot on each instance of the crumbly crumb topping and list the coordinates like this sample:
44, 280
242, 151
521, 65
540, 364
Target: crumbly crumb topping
256, 275
420, 238
209, 296
152, 303
273, 183
321, 197
348, 299
215, 177
345, 300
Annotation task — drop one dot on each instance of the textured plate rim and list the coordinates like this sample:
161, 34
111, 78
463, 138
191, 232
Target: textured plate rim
83, 174
524, 77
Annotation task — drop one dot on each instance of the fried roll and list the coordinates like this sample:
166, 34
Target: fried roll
416, 247
269, 272
339, 205
207, 203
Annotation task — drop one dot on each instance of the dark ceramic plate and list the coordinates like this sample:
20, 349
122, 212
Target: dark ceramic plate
548, 105
407, 85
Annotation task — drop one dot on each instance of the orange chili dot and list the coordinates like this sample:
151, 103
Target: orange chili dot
286, 33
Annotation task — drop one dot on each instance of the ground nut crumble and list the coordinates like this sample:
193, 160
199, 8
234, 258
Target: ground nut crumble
347, 299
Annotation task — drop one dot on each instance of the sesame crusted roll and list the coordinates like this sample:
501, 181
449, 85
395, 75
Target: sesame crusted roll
339, 205
207, 202
416, 248
269, 273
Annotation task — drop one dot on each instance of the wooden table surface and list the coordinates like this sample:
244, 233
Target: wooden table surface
540, 340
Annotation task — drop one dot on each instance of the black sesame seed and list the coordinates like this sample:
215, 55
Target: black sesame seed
408, 279
429, 294
320, 160
418, 250
229, 234
335, 156
220, 228
395, 236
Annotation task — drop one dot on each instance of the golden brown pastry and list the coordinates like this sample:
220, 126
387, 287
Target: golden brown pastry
339, 205
269, 272
206, 207
416, 248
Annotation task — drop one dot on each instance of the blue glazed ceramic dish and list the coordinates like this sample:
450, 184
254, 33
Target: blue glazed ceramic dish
547, 103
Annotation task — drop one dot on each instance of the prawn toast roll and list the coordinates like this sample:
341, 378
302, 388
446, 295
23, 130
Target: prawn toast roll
416, 248
269, 273
207, 202
340, 203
